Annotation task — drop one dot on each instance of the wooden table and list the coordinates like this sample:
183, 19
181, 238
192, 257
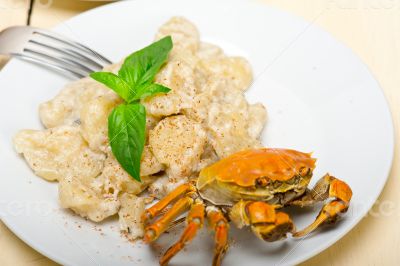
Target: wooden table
371, 28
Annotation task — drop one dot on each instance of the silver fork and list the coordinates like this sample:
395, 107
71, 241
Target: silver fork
51, 50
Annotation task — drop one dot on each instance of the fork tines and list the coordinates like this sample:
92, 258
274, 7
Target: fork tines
52, 50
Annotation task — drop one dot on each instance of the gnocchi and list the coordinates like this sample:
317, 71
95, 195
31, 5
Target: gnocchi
205, 117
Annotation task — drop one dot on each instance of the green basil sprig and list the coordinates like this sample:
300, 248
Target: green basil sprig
127, 122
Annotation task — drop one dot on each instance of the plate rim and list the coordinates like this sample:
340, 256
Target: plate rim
64, 261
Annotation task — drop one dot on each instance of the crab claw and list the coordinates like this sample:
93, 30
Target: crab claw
328, 187
276, 231
328, 214
265, 222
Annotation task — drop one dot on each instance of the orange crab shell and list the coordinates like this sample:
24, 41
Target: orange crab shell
246, 167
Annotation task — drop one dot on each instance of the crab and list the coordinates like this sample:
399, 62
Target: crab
248, 188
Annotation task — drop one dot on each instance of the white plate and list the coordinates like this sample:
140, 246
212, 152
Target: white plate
320, 97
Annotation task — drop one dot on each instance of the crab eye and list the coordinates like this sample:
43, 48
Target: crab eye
304, 171
262, 181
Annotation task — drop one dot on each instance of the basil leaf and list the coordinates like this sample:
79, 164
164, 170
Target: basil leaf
127, 122
141, 67
126, 132
115, 83
148, 90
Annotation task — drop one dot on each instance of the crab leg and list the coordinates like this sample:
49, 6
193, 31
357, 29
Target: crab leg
195, 221
164, 202
327, 187
218, 223
153, 231
265, 222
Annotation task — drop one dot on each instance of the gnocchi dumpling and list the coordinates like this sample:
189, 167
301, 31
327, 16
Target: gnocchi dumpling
227, 117
184, 34
236, 70
179, 77
257, 120
209, 51
85, 201
59, 152
130, 214
114, 180
178, 142
93, 119
64, 109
